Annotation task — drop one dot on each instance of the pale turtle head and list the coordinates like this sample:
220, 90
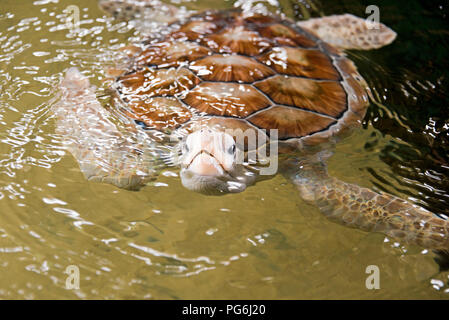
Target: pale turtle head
210, 163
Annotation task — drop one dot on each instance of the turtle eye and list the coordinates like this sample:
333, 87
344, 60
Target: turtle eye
231, 149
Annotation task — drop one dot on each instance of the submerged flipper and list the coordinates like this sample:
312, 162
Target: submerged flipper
103, 153
362, 208
350, 32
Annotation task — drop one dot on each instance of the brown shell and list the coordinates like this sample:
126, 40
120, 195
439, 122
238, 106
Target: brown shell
244, 71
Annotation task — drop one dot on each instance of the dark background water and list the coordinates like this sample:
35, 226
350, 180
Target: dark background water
409, 79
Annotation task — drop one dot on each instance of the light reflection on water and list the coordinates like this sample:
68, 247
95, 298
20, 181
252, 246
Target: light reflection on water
166, 242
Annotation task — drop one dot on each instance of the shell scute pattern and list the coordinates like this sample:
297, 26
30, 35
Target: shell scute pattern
158, 82
260, 69
226, 99
161, 113
283, 35
300, 62
232, 68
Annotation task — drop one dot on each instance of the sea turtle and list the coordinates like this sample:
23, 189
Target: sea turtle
216, 80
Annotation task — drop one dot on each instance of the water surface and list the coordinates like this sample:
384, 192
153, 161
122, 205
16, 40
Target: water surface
165, 242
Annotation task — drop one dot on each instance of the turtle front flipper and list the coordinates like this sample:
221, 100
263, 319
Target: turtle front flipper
350, 32
150, 10
103, 153
362, 208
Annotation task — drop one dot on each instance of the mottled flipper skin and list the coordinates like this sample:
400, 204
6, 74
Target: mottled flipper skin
103, 153
362, 208
350, 32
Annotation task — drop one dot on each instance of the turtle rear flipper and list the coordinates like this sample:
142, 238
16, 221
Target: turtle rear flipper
358, 207
350, 32
103, 153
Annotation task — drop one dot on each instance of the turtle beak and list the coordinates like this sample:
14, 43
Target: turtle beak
208, 163
205, 153
204, 164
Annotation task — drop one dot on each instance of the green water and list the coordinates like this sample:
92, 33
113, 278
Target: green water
165, 242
